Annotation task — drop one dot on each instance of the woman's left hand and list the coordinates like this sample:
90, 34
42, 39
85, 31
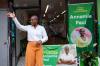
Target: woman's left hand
39, 42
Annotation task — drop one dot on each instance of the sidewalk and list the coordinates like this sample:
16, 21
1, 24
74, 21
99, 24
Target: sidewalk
21, 61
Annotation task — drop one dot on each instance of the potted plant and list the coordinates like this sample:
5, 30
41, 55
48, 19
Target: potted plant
89, 58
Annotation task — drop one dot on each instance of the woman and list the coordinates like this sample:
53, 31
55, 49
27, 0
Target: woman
82, 41
36, 36
66, 57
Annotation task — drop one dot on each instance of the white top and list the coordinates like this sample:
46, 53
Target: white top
34, 34
68, 57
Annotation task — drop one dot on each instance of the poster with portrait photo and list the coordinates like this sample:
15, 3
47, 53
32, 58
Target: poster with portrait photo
67, 55
81, 36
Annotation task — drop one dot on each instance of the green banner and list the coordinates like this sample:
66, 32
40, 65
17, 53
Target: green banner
80, 26
51, 53
98, 10
60, 55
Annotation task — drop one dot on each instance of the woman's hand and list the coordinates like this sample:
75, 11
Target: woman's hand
12, 15
39, 42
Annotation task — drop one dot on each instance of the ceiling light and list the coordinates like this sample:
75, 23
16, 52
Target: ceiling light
63, 12
46, 8
58, 16
44, 15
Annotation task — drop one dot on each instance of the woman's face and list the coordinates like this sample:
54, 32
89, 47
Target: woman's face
66, 50
82, 32
34, 20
